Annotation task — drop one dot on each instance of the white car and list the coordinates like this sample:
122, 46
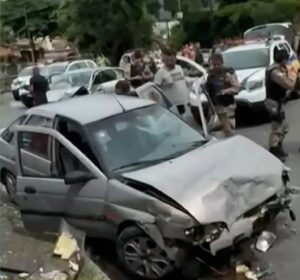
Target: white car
21, 89
78, 82
249, 61
22, 79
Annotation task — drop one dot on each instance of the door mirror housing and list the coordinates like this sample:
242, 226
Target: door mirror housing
78, 177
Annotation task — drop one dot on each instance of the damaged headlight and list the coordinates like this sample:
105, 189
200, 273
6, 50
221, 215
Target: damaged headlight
207, 233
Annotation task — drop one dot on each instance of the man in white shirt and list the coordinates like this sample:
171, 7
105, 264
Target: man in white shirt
171, 79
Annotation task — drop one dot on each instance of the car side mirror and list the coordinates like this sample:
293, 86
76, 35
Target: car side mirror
78, 177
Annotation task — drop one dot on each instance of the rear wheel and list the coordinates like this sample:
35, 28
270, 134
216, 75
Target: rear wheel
10, 184
141, 256
16, 95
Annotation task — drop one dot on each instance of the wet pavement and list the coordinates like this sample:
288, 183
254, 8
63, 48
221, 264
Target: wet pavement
20, 251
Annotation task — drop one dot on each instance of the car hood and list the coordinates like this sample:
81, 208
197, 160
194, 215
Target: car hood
217, 182
24, 80
245, 74
59, 94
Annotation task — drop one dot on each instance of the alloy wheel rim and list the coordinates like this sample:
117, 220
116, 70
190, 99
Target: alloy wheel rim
145, 258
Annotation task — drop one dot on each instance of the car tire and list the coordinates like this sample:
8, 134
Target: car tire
9, 181
27, 100
140, 255
16, 95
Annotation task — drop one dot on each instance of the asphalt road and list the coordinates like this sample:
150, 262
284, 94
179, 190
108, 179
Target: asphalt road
284, 257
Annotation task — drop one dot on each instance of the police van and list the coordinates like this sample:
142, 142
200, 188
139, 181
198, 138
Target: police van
250, 61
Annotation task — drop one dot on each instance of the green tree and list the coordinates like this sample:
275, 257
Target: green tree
109, 27
30, 18
177, 38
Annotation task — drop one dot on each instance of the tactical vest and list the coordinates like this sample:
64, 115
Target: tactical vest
274, 91
216, 83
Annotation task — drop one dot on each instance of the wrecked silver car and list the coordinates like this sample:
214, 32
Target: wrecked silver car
132, 171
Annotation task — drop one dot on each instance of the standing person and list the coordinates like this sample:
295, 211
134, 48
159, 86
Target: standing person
140, 72
222, 85
199, 55
278, 84
38, 87
171, 79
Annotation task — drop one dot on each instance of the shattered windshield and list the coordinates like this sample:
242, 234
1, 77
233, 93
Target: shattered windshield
142, 137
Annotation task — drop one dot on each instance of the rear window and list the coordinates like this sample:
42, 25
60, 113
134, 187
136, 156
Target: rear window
247, 59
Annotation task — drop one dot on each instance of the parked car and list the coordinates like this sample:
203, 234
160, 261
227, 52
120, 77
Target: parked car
250, 62
54, 68
78, 82
131, 171
23, 78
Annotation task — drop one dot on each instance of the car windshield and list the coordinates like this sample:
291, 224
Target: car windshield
266, 31
70, 80
57, 68
142, 137
28, 71
247, 59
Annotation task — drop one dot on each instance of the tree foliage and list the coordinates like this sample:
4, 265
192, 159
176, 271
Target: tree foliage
233, 17
29, 17
108, 27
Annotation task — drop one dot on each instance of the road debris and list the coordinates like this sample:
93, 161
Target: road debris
23, 275
66, 246
265, 241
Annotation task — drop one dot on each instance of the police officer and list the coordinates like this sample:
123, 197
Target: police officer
278, 84
222, 85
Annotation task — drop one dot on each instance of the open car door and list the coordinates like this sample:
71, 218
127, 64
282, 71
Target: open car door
208, 115
73, 188
153, 92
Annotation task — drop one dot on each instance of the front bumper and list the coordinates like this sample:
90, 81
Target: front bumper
254, 221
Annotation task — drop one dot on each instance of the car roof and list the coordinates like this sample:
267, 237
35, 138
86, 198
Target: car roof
90, 108
252, 46
83, 70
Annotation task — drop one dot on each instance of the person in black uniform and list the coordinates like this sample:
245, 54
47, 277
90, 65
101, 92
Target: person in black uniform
278, 84
222, 84
38, 87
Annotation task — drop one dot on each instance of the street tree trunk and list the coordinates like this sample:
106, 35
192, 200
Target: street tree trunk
32, 47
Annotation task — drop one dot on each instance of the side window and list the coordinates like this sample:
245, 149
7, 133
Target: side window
74, 133
82, 65
108, 75
189, 70
67, 161
35, 143
91, 64
97, 79
36, 120
74, 66
119, 73
8, 134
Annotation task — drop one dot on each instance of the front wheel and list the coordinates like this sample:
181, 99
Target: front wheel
16, 95
141, 256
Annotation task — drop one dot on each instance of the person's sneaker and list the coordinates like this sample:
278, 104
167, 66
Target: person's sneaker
276, 151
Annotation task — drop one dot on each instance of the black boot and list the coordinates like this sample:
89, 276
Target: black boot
277, 152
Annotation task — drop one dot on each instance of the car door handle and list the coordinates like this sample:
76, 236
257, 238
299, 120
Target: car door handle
30, 190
